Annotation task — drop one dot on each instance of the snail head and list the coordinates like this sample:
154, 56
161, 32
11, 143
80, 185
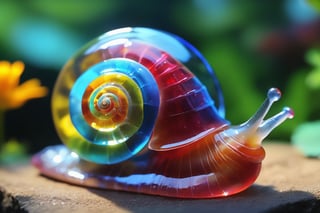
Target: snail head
252, 132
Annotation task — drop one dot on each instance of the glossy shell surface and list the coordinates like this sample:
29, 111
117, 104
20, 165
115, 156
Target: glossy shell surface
132, 87
135, 117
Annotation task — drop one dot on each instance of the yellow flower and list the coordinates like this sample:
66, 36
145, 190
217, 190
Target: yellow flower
13, 95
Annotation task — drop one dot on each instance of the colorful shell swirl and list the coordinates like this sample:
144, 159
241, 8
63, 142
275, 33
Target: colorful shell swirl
136, 118
133, 75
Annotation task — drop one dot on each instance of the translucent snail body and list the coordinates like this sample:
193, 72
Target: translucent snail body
134, 117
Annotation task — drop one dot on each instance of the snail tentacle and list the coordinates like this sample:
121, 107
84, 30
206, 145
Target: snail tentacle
135, 117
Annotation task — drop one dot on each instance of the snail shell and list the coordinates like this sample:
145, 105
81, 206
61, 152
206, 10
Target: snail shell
136, 118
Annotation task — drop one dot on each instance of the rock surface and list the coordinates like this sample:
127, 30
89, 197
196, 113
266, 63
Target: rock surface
287, 179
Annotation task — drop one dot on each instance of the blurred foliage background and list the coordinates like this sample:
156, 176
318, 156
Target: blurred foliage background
252, 45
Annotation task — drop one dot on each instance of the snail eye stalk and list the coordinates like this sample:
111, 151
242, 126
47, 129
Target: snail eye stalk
256, 128
134, 116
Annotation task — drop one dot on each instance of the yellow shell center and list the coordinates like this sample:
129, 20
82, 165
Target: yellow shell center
106, 105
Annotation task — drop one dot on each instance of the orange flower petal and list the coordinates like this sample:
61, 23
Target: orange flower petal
31, 86
4, 71
13, 95
17, 69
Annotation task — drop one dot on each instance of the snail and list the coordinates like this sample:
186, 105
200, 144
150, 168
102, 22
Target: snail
134, 117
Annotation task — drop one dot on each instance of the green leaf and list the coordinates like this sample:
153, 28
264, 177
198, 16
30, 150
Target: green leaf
313, 79
315, 4
313, 57
307, 138
12, 152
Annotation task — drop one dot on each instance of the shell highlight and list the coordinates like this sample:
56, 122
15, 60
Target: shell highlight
135, 117
126, 89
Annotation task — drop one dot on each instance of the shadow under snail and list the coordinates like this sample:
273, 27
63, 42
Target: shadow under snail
134, 117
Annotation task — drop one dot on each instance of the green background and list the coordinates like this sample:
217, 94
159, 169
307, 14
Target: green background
252, 45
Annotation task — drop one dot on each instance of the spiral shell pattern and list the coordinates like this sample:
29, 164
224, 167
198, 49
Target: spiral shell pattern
135, 117
129, 88
113, 106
